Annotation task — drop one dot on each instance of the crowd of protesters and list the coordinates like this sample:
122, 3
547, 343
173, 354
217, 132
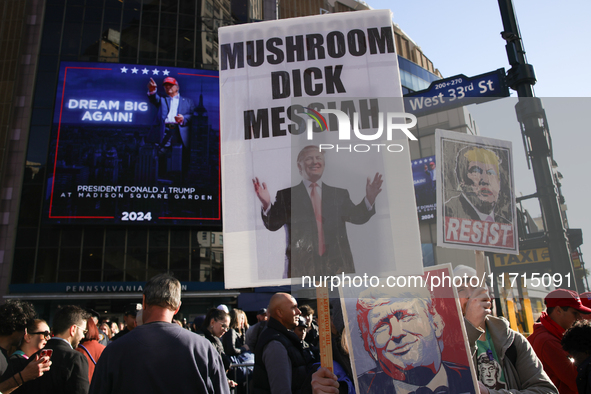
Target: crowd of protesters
154, 353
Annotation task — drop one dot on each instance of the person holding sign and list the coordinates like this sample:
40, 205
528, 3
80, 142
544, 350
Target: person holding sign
516, 367
315, 216
478, 176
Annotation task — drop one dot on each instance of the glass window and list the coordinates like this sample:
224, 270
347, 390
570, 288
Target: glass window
181, 275
46, 270
50, 41
212, 238
24, 260
195, 265
90, 275
113, 276
69, 259
187, 7
26, 237
71, 38
158, 251
148, 43
136, 255
168, 20
91, 34
179, 259
92, 255
179, 239
30, 201
113, 16
67, 276
41, 116
170, 6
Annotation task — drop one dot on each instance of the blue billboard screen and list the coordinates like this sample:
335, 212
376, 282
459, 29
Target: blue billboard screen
134, 144
424, 178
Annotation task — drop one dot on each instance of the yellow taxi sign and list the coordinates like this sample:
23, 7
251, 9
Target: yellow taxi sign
527, 256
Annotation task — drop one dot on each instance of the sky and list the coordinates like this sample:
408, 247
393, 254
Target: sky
463, 37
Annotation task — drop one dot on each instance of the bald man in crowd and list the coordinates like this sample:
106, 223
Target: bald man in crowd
280, 361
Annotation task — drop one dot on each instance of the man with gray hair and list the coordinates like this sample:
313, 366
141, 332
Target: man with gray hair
159, 356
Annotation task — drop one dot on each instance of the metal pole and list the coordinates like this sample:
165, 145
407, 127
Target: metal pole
534, 127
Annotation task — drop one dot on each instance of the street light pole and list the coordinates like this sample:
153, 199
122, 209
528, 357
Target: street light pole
538, 144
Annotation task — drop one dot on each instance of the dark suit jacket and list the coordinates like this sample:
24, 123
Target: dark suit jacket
459, 207
68, 373
186, 108
293, 209
459, 380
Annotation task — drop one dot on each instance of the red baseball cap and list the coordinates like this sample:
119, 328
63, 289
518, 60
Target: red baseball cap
586, 299
170, 80
563, 297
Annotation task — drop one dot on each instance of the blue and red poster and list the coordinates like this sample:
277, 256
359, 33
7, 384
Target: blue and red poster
134, 144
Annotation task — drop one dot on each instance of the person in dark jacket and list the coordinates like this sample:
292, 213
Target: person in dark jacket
576, 341
281, 364
69, 370
15, 316
215, 325
233, 340
91, 347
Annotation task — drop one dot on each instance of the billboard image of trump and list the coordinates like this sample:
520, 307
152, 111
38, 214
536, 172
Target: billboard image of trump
476, 195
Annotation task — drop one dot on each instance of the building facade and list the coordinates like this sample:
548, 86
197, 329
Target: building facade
103, 267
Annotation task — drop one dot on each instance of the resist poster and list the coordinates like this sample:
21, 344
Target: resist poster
476, 197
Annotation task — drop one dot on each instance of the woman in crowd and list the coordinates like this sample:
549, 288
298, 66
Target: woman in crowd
106, 330
114, 329
36, 336
236, 348
215, 325
233, 340
90, 347
246, 326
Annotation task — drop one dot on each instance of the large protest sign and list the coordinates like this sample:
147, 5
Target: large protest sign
476, 200
116, 157
406, 333
277, 81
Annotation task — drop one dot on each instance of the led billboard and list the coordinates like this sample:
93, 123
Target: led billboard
134, 144
424, 179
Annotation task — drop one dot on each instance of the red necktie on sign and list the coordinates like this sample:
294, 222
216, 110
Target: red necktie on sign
489, 219
317, 205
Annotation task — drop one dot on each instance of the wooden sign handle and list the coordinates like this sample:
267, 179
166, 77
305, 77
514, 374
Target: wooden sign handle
325, 343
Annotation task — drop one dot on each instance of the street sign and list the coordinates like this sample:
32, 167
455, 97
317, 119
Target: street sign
456, 92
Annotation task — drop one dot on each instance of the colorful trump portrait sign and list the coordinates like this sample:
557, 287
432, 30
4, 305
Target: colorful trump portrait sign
134, 144
299, 198
407, 333
476, 199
